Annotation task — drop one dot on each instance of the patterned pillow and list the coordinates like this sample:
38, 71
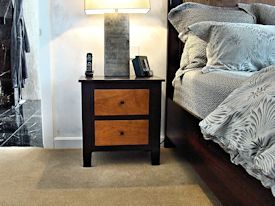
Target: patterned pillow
194, 53
237, 47
264, 13
189, 13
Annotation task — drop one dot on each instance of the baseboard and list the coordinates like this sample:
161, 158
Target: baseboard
73, 142
68, 142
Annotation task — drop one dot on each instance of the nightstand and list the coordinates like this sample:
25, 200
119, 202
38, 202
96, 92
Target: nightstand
121, 113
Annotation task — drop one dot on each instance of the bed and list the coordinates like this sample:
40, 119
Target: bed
230, 183
205, 91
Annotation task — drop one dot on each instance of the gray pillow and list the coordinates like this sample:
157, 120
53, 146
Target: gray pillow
237, 47
194, 53
264, 13
189, 13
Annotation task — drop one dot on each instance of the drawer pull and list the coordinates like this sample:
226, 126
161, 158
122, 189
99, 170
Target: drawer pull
121, 133
122, 102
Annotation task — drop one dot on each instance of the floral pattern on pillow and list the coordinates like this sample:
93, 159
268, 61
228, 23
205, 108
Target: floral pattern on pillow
237, 47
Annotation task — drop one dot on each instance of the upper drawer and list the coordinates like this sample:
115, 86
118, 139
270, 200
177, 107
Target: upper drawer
110, 102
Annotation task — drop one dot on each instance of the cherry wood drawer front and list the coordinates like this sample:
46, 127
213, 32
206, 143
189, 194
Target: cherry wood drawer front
121, 132
111, 102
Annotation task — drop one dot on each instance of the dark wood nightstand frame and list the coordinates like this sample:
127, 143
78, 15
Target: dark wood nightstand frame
88, 116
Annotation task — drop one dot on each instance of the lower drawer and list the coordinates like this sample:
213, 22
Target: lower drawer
121, 132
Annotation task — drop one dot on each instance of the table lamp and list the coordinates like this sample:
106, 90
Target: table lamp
116, 31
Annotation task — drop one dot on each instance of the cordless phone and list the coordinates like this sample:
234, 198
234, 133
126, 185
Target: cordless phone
89, 70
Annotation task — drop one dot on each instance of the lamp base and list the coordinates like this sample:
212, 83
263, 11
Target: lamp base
116, 45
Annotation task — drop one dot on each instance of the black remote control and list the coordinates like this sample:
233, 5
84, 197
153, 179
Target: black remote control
89, 70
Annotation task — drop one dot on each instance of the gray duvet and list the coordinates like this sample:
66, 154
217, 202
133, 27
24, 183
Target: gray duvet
244, 126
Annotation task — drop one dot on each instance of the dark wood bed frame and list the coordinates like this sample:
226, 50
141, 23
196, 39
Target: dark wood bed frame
231, 184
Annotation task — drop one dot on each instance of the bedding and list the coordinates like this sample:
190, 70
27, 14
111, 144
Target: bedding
186, 14
194, 53
200, 93
265, 14
231, 46
189, 13
244, 126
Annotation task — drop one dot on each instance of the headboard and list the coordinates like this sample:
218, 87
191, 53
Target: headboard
175, 47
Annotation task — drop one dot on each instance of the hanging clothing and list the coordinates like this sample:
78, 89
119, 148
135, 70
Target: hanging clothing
19, 46
5, 12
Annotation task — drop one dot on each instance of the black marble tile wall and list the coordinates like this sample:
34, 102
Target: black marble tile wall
6, 87
21, 126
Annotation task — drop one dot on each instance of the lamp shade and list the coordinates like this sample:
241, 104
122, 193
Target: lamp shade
120, 6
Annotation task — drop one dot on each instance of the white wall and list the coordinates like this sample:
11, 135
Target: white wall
73, 34
45, 73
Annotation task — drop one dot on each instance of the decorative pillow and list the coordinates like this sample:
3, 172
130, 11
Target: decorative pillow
237, 47
189, 13
264, 13
194, 53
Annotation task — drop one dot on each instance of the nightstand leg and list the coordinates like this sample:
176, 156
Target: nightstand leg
87, 159
155, 157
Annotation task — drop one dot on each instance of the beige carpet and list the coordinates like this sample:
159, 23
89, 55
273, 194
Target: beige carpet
30, 176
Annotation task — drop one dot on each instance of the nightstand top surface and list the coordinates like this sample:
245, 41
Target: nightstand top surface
114, 79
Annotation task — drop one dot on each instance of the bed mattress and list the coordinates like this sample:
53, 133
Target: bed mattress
200, 94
